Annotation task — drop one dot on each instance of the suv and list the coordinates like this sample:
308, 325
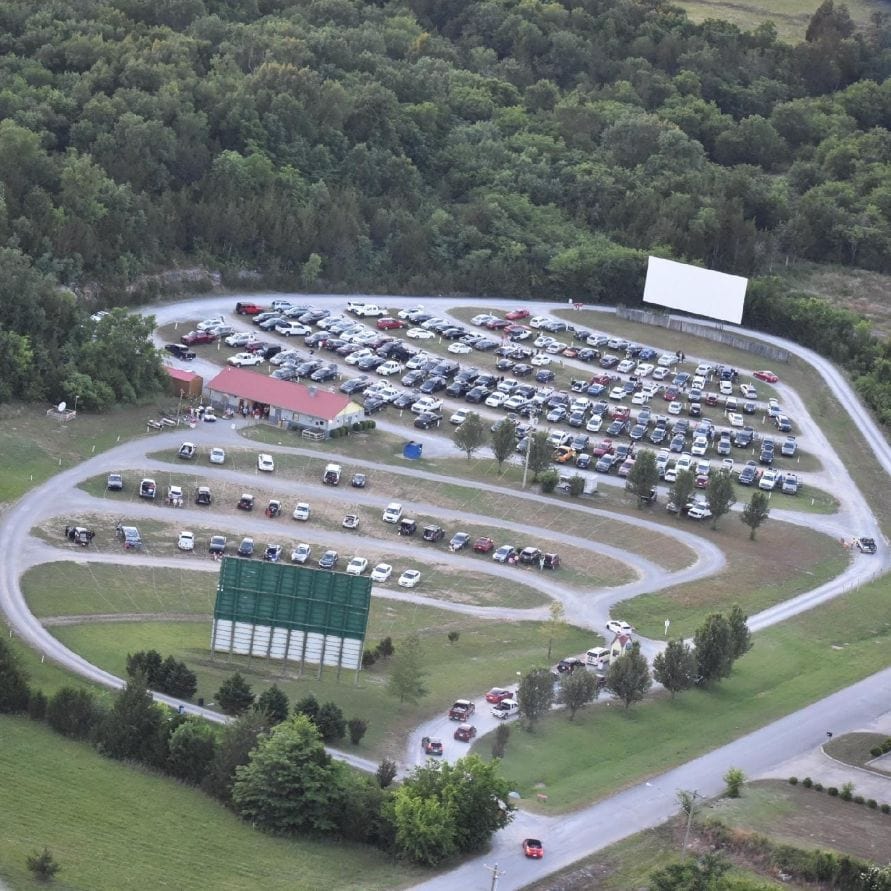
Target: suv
433, 533
217, 545
179, 351
246, 548
392, 513
115, 482
866, 545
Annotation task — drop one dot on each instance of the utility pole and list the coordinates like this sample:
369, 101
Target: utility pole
530, 435
690, 811
496, 875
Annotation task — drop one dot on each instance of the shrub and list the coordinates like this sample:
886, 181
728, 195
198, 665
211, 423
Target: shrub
818, 787
548, 481
807, 782
793, 781
872, 803
386, 772
369, 657
832, 791
847, 792
357, 728
453, 636
43, 865
859, 799
885, 808
576, 485
734, 780
876, 751
37, 705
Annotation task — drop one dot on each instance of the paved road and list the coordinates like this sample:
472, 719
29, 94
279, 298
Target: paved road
567, 837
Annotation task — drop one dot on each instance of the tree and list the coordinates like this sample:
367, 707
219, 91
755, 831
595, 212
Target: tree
577, 689
13, 681
289, 784
407, 672
471, 434
675, 668
629, 676
37, 704
453, 637
147, 663
755, 512
644, 476
357, 728
134, 728
331, 722
191, 750
504, 441
499, 741
538, 456
703, 874
177, 679
556, 623
733, 782
441, 809
43, 865
237, 740
536, 695
273, 701
73, 712
385, 648
740, 636
235, 695
721, 495
386, 772
714, 648
680, 492
308, 706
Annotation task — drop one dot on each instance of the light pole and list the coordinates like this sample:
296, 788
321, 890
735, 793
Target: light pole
534, 420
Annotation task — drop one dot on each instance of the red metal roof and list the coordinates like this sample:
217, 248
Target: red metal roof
179, 374
314, 401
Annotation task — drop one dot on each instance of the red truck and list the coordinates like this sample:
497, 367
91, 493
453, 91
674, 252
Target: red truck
461, 710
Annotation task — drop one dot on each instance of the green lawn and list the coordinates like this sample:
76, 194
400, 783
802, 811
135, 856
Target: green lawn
488, 652
853, 748
792, 665
113, 826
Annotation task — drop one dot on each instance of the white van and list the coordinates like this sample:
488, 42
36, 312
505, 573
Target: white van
597, 656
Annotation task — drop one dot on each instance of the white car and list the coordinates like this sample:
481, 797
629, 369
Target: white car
210, 323
426, 403
482, 318
541, 359
217, 456
556, 346
405, 313
409, 578
626, 366
392, 513
419, 334
496, 400
660, 373
748, 391
292, 329
618, 627
538, 321
703, 370
186, 541
617, 393
284, 357
595, 422
768, 480
240, 339
666, 360
675, 408
725, 388
391, 366
727, 464
381, 572
459, 348
514, 403
301, 511
543, 340
640, 398
301, 553
459, 417
736, 419
700, 445
265, 462
358, 356
644, 369
241, 360
357, 566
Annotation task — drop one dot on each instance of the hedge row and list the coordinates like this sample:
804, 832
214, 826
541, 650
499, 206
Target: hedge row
846, 793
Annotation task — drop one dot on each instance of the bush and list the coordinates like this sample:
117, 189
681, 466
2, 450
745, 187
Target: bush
369, 657
548, 481
73, 712
847, 792
832, 791
43, 865
576, 485
859, 799
357, 728
807, 782
872, 803
793, 781
885, 808
818, 787
876, 751
386, 772
37, 705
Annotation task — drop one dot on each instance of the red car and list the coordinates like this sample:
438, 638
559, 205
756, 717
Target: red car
498, 694
620, 412
516, 314
197, 337
767, 376
483, 545
603, 379
533, 848
431, 746
465, 732
248, 309
497, 324
702, 481
386, 323
606, 447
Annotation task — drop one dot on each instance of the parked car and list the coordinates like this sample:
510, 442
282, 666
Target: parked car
350, 521
178, 351
265, 462
115, 482
459, 541
273, 553
357, 566
186, 541
217, 545
507, 708
381, 572
431, 746
328, 560
465, 732
866, 545
409, 578
766, 376
301, 553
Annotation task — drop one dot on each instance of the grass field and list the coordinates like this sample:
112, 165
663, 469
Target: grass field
488, 652
791, 17
116, 826
853, 748
607, 748
807, 819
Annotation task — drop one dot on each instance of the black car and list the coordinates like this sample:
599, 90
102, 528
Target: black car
328, 560
355, 385
217, 545
180, 351
273, 553
658, 435
477, 395
326, 373
305, 369
413, 378
433, 385
583, 461
616, 428
460, 540
370, 363
404, 400
747, 475
428, 419
545, 375
373, 404
457, 388
866, 545
569, 665
246, 548
359, 481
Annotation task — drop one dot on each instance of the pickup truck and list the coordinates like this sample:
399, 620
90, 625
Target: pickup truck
461, 710
365, 310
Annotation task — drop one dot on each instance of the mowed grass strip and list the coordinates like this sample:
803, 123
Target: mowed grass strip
783, 562
792, 664
487, 653
112, 825
807, 819
854, 748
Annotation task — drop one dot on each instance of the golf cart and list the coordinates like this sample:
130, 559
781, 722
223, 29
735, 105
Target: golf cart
187, 451
273, 509
407, 527
246, 502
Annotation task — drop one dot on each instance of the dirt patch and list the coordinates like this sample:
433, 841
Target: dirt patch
61, 621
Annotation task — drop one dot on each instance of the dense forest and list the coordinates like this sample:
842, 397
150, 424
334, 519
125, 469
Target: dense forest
508, 147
